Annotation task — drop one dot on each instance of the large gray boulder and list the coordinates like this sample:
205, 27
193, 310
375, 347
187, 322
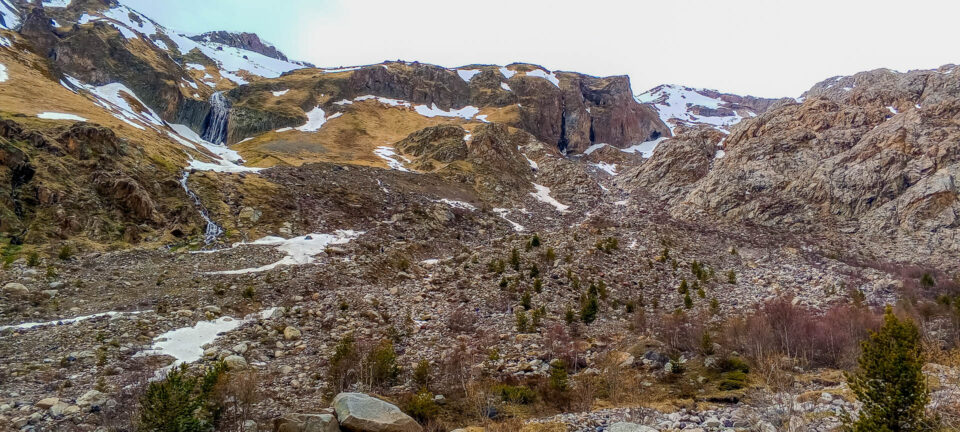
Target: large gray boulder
306, 423
629, 427
362, 413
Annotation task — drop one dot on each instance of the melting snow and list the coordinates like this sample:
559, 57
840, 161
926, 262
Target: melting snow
467, 112
720, 154
32, 325
673, 102
502, 212
645, 149
60, 116
622, 203
389, 154
468, 74
594, 148
549, 76
458, 204
504, 86
299, 250
344, 102
3, 73
892, 109
533, 164
185, 345
543, 194
280, 93
56, 3
10, 16
4, 42
507, 73
316, 118
608, 167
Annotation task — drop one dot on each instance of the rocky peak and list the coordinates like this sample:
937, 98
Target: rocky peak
244, 40
679, 105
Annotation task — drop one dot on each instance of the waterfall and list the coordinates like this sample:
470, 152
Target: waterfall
213, 230
216, 124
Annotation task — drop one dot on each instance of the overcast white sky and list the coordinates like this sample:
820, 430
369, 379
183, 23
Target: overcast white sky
768, 48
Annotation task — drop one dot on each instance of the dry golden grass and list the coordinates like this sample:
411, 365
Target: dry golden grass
348, 139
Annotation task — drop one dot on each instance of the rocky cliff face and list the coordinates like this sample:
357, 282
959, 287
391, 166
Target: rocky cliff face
876, 152
569, 110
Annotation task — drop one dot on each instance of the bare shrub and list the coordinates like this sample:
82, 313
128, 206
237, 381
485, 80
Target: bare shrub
462, 320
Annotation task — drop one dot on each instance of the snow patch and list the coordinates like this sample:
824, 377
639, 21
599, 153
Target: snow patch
502, 212
4, 76
56, 3
607, 167
468, 74
467, 112
457, 204
674, 102
543, 195
280, 93
507, 73
504, 86
299, 250
60, 116
549, 76
389, 155
645, 149
594, 148
316, 118
33, 325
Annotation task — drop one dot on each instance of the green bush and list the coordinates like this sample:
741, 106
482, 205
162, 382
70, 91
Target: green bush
526, 301
182, 402
589, 309
382, 364
687, 301
559, 379
731, 277
515, 259
523, 323
734, 380
890, 382
33, 259
522, 395
65, 253
421, 374
422, 407
535, 241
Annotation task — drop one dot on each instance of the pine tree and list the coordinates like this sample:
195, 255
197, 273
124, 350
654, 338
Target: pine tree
890, 382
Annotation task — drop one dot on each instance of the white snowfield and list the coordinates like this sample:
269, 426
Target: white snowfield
229, 60
299, 250
67, 321
60, 116
609, 168
645, 149
10, 16
549, 76
186, 344
543, 195
502, 212
56, 3
389, 154
673, 102
4, 76
316, 118
468, 112
468, 74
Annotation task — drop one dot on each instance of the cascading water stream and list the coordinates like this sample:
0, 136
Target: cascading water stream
213, 230
216, 125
